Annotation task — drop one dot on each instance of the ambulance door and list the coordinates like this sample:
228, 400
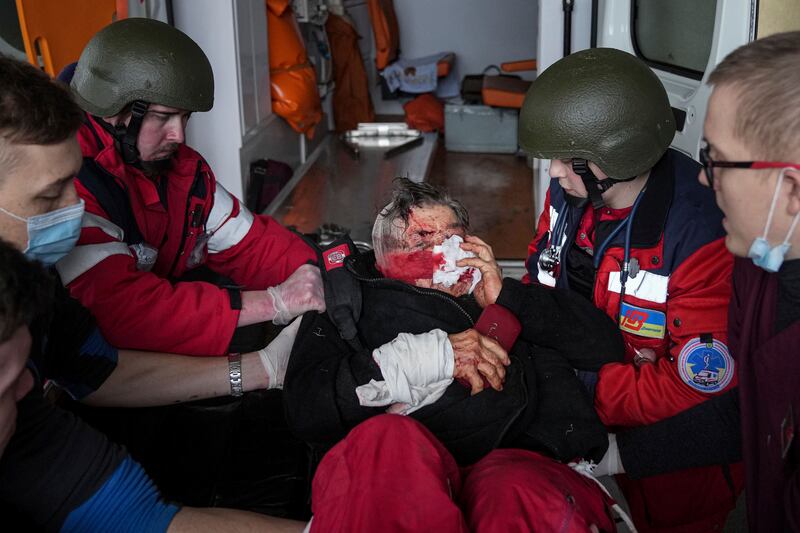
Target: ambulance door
10, 35
682, 41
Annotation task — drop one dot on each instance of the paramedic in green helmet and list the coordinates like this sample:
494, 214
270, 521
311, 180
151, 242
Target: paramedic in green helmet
57, 473
627, 225
156, 214
169, 261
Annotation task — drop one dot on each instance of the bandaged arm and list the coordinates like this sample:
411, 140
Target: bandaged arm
416, 370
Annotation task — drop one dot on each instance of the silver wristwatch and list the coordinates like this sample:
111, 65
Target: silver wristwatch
235, 373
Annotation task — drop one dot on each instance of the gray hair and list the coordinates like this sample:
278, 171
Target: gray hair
392, 220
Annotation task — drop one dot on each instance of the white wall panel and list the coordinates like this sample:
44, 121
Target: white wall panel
217, 135
247, 67
480, 34
241, 127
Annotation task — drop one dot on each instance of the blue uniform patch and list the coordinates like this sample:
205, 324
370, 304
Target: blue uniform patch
706, 367
642, 322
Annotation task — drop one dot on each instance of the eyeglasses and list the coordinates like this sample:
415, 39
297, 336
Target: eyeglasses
709, 164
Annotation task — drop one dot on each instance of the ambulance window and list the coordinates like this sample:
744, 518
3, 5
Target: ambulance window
10, 33
674, 35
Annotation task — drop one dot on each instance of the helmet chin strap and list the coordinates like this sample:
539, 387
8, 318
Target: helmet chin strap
594, 187
127, 136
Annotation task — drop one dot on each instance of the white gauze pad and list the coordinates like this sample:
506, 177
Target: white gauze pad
445, 256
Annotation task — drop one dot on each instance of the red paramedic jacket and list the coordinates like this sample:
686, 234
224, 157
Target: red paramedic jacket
676, 305
191, 220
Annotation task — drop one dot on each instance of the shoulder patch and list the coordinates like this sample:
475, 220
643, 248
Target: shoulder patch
706, 367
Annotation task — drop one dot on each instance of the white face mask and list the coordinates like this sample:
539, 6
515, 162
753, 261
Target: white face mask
763, 255
52, 235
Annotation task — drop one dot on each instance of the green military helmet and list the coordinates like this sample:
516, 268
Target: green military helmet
142, 59
602, 105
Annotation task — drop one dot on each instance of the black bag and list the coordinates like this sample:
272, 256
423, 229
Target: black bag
267, 178
472, 84
471, 87
342, 290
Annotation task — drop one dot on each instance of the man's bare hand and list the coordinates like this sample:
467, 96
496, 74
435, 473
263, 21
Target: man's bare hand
491, 282
478, 357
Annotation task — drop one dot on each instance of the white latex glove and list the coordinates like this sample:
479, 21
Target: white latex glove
275, 357
416, 371
611, 463
301, 292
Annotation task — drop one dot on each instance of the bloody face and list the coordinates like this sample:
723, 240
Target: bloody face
412, 260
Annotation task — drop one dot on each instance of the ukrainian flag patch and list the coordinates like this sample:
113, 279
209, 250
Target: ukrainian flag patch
643, 322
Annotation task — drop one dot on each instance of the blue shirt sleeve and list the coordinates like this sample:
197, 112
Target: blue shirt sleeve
127, 502
71, 351
96, 359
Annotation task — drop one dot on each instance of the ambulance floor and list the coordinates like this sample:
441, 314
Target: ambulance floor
497, 190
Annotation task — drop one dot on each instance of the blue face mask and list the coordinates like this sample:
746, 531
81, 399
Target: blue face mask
770, 258
52, 235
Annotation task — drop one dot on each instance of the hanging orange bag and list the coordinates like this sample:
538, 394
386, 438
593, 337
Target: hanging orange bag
294, 83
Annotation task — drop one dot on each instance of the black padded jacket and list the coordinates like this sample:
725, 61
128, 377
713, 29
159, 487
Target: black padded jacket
542, 405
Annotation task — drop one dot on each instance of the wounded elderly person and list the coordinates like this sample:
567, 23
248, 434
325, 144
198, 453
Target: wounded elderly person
417, 351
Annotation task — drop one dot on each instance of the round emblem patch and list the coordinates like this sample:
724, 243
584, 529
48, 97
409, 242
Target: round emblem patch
707, 367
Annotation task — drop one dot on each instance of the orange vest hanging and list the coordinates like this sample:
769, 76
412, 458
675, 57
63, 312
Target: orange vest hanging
292, 78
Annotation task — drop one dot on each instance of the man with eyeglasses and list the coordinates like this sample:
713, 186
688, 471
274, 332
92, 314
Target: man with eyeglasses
752, 162
627, 225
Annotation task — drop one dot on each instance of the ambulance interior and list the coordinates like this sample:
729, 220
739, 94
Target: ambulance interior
280, 141
459, 73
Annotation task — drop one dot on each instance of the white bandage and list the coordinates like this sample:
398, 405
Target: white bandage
448, 273
416, 369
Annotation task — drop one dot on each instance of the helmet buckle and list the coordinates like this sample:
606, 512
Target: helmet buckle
138, 109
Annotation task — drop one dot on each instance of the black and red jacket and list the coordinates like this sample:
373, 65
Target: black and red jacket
676, 303
542, 406
190, 220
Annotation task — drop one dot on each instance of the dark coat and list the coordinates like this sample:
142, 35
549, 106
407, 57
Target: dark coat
542, 405
769, 399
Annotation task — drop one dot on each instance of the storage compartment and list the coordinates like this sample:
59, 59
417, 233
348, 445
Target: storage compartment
480, 128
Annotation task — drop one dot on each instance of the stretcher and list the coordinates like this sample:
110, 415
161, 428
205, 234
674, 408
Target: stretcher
334, 192
395, 137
